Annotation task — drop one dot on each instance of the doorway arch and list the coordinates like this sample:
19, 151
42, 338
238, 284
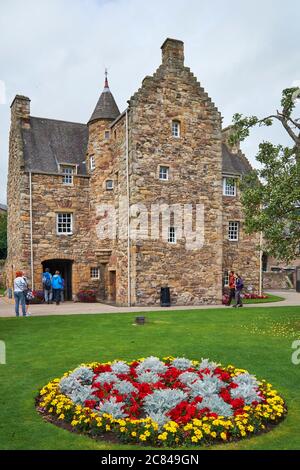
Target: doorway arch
64, 266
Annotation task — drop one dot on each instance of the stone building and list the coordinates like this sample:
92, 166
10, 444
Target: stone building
118, 204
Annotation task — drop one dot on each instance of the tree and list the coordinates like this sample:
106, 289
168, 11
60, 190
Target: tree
3, 235
271, 195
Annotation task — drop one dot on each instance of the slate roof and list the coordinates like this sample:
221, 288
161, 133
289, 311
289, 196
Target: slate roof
106, 108
234, 164
3, 207
49, 142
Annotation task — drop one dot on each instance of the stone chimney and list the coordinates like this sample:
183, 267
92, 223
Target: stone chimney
172, 52
226, 133
20, 109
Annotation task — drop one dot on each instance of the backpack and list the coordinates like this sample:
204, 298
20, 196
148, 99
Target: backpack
47, 282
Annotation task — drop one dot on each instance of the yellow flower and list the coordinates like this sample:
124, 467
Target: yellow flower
122, 429
133, 434
142, 437
194, 439
214, 434
107, 427
223, 436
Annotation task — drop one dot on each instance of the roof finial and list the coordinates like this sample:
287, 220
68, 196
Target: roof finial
106, 81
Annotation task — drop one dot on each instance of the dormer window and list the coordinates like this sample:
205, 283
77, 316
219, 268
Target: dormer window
68, 172
176, 129
92, 163
229, 186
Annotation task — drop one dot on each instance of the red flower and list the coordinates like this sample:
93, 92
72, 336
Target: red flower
237, 403
90, 403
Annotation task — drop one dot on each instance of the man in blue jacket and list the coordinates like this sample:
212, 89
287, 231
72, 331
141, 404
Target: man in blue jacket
57, 285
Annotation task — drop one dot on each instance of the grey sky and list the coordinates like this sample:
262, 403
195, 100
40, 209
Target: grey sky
55, 52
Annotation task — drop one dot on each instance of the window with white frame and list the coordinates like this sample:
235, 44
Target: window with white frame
68, 172
171, 235
109, 184
92, 163
226, 278
164, 173
64, 223
175, 128
229, 186
233, 231
95, 273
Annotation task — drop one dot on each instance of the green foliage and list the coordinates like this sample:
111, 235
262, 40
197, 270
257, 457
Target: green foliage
3, 235
271, 195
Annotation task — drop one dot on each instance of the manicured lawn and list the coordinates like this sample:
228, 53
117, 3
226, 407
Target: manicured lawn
41, 348
270, 298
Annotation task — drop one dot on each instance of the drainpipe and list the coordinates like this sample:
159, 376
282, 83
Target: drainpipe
260, 263
31, 243
128, 212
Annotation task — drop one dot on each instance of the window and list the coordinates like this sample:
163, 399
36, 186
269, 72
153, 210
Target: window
64, 223
95, 273
172, 235
92, 163
109, 184
164, 173
233, 231
67, 172
175, 128
106, 134
226, 278
229, 186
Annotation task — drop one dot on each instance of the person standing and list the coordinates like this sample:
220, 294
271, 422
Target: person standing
47, 286
231, 287
62, 296
56, 287
20, 286
239, 284
27, 294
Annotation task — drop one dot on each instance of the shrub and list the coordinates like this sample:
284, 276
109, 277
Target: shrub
86, 296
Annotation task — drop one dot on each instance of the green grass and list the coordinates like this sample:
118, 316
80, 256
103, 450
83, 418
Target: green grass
270, 298
42, 348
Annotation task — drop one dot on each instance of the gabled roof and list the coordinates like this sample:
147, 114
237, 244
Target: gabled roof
106, 108
49, 143
234, 163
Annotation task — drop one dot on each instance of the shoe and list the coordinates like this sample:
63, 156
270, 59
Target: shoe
28, 314
234, 306
240, 306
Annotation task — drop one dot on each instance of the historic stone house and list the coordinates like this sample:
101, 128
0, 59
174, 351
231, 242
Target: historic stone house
131, 202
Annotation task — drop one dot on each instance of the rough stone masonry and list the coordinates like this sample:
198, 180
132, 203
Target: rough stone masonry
167, 149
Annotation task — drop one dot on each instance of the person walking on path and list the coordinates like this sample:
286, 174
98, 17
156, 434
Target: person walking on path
56, 287
20, 285
28, 295
47, 286
239, 284
231, 287
62, 292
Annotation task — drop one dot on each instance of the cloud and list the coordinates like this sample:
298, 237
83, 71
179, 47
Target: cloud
55, 52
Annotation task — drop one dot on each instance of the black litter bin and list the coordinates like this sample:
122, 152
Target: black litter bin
165, 300
298, 279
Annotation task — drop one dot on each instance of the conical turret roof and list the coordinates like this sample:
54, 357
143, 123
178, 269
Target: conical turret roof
106, 107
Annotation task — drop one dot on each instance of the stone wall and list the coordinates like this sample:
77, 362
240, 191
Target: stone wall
194, 160
241, 256
279, 280
17, 229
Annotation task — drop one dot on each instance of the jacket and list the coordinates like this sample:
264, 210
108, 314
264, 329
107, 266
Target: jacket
56, 282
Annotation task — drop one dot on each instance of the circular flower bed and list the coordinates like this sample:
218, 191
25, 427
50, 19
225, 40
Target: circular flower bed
170, 402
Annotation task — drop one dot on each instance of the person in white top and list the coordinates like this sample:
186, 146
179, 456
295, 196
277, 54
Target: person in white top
20, 285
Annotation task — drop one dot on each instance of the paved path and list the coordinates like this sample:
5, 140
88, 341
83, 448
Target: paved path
70, 308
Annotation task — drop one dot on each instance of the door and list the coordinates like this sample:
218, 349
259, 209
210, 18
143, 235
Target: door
65, 268
112, 286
